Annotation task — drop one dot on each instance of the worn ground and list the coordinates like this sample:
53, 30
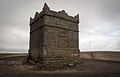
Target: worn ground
13, 65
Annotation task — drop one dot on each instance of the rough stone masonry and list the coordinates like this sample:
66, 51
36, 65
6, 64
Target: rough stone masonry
53, 35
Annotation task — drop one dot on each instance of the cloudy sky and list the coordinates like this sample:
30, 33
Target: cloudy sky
99, 22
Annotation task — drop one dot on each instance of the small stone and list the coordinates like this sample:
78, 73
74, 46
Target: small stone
71, 64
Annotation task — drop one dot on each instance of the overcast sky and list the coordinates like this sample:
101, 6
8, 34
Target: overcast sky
99, 22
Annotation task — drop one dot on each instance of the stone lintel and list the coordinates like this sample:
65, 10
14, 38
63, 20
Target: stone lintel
32, 30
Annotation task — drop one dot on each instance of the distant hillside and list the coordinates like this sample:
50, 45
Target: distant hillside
102, 55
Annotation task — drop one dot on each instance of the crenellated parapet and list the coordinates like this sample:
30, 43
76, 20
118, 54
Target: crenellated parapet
61, 14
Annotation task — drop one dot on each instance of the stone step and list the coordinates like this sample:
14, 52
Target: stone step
52, 61
56, 64
59, 59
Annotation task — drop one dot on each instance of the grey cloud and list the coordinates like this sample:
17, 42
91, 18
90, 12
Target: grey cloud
99, 22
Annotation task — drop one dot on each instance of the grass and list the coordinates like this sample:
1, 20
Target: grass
13, 56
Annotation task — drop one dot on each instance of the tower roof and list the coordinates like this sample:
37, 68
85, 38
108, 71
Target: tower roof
46, 8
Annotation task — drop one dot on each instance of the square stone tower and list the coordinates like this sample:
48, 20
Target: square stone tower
53, 34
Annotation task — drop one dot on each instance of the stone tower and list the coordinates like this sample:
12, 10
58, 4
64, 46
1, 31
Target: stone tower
53, 34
